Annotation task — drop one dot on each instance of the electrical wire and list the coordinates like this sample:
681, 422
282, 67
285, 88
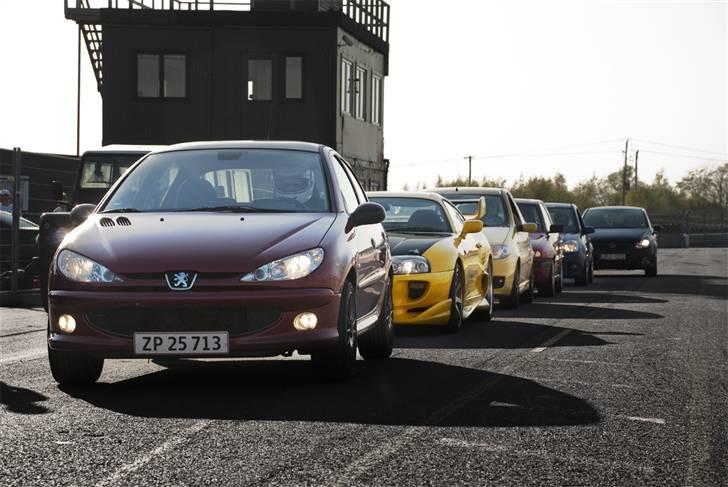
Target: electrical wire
682, 147
684, 156
507, 156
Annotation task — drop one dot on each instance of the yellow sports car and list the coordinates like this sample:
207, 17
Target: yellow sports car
508, 234
442, 262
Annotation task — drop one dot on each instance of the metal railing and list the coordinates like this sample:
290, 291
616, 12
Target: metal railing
373, 15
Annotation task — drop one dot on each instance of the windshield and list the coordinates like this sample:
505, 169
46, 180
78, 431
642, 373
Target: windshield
565, 216
615, 218
532, 214
224, 180
495, 210
416, 215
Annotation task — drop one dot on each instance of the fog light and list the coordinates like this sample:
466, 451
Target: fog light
416, 289
305, 321
67, 324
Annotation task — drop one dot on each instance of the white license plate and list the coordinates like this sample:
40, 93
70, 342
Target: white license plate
614, 256
181, 343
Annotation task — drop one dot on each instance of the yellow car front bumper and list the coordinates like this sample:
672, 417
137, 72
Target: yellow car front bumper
504, 269
431, 308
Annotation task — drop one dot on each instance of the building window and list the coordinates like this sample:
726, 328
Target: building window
294, 78
376, 99
359, 90
346, 85
161, 75
373, 185
260, 80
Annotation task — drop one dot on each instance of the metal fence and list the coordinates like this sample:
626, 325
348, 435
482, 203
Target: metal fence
25, 193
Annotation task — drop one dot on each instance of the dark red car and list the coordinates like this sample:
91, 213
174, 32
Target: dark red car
228, 249
547, 247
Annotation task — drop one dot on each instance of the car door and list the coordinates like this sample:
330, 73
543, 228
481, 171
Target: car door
523, 240
472, 252
370, 243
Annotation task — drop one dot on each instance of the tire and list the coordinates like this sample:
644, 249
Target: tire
591, 272
514, 299
339, 362
651, 271
74, 369
488, 315
549, 289
583, 278
560, 280
528, 295
377, 342
457, 297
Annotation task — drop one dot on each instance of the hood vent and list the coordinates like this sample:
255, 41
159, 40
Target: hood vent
123, 221
106, 222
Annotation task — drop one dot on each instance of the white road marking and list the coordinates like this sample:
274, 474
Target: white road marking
600, 362
646, 420
364, 463
455, 443
170, 444
31, 354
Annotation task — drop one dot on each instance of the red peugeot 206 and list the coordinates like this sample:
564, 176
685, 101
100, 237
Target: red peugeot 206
227, 249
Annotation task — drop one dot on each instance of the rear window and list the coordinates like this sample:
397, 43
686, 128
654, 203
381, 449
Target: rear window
532, 214
565, 216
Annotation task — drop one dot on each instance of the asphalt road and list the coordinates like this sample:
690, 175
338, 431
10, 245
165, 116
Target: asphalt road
621, 383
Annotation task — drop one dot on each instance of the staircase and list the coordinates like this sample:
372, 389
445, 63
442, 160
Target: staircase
93, 37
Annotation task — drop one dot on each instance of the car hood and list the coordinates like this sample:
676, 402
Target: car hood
203, 242
618, 234
497, 235
412, 244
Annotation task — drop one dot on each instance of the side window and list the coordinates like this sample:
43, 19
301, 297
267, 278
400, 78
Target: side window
517, 217
359, 107
346, 83
456, 217
260, 80
354, 182
294, 78
376, 99
345, 187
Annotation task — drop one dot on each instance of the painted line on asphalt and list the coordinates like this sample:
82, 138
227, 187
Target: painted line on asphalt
646, 420
600, 362
365, 462
455, 443
32, 354
168, 445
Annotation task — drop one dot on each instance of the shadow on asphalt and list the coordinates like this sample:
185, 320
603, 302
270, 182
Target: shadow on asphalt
388, 392
498, 335
592, 296
555, 309
21, 401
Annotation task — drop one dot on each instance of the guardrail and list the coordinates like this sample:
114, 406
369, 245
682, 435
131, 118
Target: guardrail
373, 15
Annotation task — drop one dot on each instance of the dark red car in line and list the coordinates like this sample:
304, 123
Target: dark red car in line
225, 249
547, 246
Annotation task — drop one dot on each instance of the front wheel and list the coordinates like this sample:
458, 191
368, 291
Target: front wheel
583, 278
651, 271
549, 288
339, 361
560, 280
457, 299
74, 369
514, 298
377, 343
528, 295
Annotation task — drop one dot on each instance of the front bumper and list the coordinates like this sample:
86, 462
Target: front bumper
277, 338
504, 271
431, 308
634, 259
574, 263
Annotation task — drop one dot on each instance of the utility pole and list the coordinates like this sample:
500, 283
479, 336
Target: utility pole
78, 98
624, 174
470, 170
636, 159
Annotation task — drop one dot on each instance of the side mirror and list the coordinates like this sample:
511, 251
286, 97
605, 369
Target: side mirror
527, 227
80, 213
587, 230
57, 190
657, 228
366, 214
471, 226
556, 229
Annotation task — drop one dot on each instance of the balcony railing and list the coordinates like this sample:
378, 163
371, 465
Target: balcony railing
373, 15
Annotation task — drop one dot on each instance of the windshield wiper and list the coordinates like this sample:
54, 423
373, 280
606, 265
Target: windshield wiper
122, 210
236, 209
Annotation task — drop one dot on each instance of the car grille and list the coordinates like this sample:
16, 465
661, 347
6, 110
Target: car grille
236, 321
613, 246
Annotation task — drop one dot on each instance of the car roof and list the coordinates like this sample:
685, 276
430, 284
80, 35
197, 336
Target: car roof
528, 200
560, 205
617, 207
468, 189
123, 148
423, 195
244, 144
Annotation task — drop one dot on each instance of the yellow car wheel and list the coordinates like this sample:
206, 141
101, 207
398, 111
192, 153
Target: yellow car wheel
457, 300
513, 300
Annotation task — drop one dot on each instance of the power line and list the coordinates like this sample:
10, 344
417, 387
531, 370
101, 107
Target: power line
682, 147
506, 156
684, 156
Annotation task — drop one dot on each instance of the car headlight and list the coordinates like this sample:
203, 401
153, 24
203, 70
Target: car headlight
643, 244
571, 246
76, 267
410, 264
288, 268
500, 251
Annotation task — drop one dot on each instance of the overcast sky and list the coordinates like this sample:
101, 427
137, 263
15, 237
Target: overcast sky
467, 77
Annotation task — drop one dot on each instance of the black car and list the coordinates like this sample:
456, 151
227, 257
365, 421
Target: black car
578, 253
624, 238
